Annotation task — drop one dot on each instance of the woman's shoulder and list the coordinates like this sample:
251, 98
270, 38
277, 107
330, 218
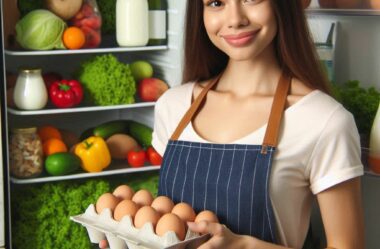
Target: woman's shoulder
178, 93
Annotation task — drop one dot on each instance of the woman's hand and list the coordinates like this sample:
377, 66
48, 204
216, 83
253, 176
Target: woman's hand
222, 237
103, 244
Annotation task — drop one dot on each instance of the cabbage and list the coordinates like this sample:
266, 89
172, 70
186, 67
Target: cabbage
40, 30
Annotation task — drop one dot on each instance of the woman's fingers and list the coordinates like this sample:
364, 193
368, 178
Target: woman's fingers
103, 244
206, 227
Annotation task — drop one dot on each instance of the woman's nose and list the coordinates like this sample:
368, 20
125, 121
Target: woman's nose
236, 16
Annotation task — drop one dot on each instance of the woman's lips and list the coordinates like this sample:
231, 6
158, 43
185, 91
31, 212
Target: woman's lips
240, 40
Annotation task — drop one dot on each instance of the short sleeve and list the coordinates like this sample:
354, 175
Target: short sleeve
336, 156
160, 134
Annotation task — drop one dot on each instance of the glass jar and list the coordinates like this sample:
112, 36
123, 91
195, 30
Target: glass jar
132, 22
25, 153
30, 92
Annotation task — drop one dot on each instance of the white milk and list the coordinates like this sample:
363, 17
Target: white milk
132, 22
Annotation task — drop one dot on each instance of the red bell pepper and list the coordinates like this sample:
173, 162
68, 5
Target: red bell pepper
66, 93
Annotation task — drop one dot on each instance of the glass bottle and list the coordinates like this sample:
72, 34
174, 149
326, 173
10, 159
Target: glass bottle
25, 153
30, 92
374, 144
132, 22
157, 22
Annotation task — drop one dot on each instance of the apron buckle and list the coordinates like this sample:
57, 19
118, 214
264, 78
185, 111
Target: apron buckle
264, 149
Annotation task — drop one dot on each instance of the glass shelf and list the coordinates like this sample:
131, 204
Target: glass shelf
78, 109
115, 168
343, 12
83, 51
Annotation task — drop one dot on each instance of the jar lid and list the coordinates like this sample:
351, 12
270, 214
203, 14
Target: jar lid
29, 70
24, 130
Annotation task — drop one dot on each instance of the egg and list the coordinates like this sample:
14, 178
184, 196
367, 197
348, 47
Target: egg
125, 207
143, 197
171, 222
106, 200
348, 4
124, 192
184, 211
163, 204
146, 214
206, 215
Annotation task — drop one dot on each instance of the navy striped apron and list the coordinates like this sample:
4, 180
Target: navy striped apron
231, 180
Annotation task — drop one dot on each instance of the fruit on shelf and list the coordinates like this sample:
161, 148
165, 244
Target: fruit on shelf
73, 38
66, 93
52, 146
153, 157
120, 144
65, 9
141, 70
62, 163
150, 89
136, 159
46, 132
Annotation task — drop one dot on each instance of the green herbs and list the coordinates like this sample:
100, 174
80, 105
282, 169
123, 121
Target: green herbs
107, 81
362, 103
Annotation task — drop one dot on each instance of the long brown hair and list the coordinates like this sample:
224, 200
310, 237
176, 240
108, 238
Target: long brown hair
293, 45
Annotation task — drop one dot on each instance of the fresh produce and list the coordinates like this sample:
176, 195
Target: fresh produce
65, 9
73, 38
150, 89
89, 20
50, 77
69, 138
120, 144
94, 154
141, 70
87, 133
107, 81
47, 131
66, 93
62, 163
107, 8
110, 128
52, 146
141, 132
40, 30
136, 159
361, 102
153, 157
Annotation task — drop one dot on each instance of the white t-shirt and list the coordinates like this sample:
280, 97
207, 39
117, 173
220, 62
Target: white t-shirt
318, 148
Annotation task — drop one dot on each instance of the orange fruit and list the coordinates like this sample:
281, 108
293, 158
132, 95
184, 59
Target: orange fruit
46, 132
53, 145
73, 38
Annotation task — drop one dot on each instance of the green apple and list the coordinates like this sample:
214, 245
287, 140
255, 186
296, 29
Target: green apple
141, 70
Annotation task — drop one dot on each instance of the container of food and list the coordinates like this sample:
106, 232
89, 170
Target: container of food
25, 153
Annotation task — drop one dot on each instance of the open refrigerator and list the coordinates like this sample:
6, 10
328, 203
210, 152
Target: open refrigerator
355, 44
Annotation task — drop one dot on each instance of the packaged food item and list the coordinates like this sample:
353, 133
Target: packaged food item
26, 157
89, 20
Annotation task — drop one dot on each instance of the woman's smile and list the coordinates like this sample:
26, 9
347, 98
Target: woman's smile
241, 39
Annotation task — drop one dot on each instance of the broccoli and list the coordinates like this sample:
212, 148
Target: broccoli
107, 81
40, 213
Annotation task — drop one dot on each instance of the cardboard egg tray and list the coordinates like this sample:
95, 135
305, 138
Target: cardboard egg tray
123, 234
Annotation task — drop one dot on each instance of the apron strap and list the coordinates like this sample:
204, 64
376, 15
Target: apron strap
278, 107
193, 109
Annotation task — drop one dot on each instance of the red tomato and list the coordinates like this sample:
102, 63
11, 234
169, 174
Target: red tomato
153, 156
136, 158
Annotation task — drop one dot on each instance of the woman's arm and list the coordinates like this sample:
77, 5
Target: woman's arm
342, 215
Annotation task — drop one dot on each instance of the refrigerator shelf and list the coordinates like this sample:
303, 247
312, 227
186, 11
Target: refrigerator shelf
369, 172
114, 169
343, 12
78, 109
84, 51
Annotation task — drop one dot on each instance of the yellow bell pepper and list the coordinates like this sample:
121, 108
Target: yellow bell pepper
94, 154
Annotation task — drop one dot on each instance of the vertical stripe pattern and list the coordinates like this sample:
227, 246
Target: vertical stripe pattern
231, 180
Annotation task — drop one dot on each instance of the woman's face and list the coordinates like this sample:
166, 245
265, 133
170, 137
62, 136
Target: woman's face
240, 28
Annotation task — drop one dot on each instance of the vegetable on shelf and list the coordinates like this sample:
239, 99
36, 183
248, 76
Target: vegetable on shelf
94, 154
136, 159
107, 81
66, 93
153, 157
62, 163
40, 30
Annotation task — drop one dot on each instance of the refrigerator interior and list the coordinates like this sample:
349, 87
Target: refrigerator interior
356, 58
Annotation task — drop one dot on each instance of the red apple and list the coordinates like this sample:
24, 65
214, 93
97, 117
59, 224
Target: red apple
150, 89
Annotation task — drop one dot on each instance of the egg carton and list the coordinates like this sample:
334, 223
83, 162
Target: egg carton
124, 235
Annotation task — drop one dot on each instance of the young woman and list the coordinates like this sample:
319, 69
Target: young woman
253, 135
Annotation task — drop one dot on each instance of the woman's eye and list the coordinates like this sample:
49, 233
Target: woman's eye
214, 3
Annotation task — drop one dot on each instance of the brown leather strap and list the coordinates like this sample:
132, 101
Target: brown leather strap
278, 106
193, 108
277, 110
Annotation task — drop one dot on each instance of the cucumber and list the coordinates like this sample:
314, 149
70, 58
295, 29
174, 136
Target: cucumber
108, 129
141, 132
62, 163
